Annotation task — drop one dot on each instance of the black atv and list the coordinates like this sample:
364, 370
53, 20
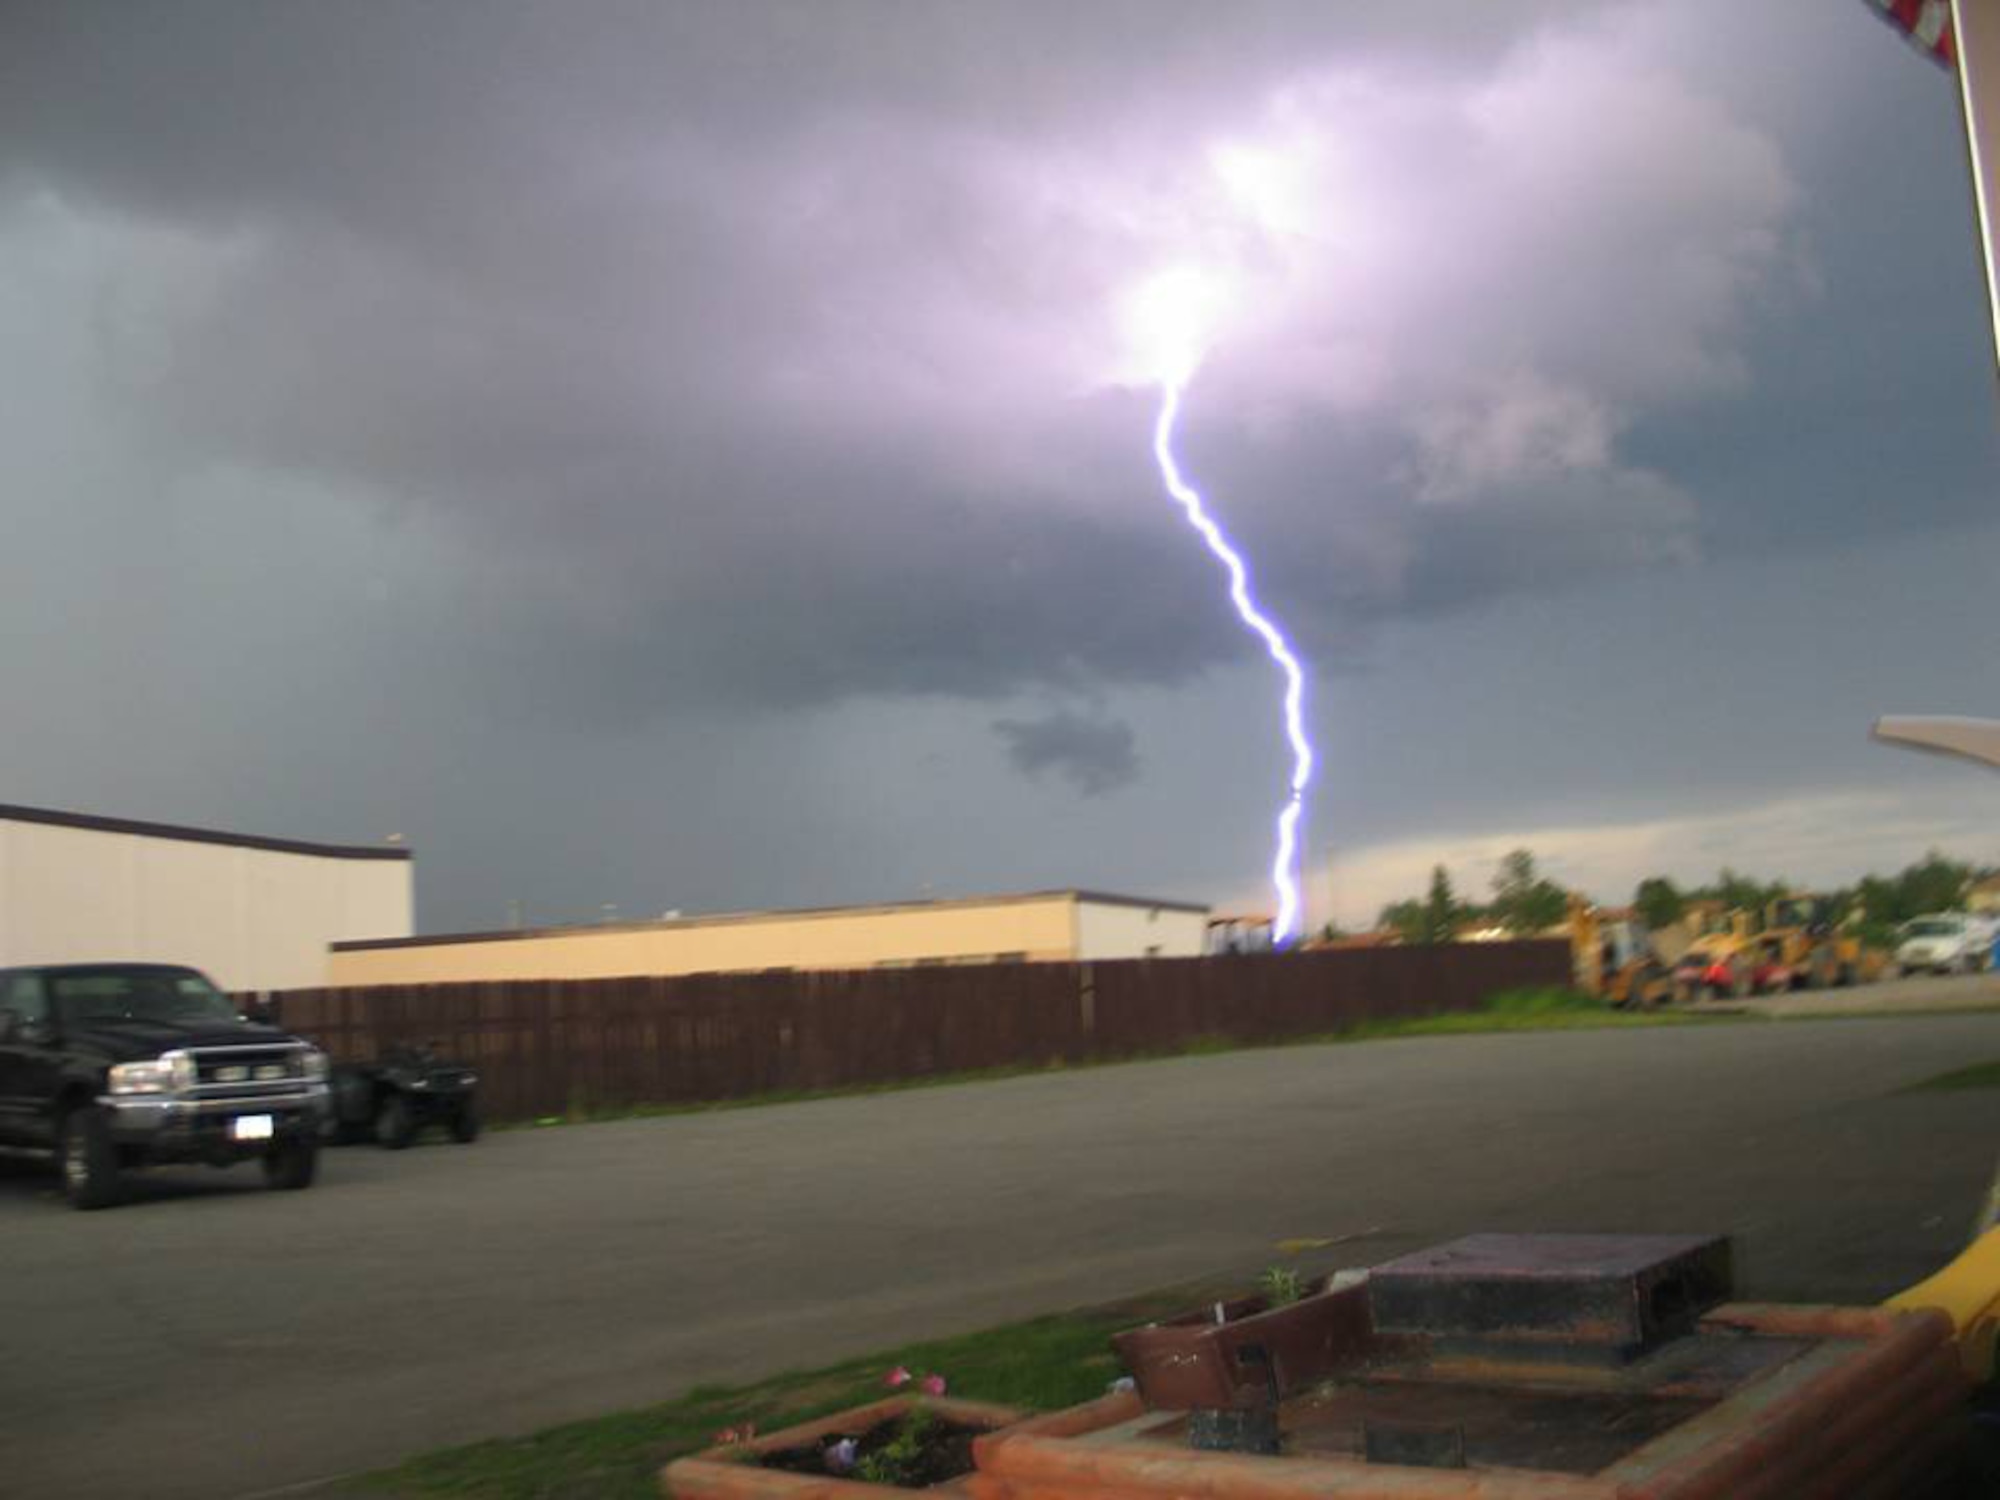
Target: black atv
401, 1092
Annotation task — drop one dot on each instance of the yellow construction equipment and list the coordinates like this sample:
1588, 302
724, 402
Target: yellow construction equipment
1722, 959
1793, 943
1614, 958
1802, 935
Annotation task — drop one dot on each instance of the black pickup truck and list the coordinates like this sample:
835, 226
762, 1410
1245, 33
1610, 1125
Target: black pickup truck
105, 1067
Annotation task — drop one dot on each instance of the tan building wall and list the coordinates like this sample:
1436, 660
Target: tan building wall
1108, 931
254, 914
1042, 927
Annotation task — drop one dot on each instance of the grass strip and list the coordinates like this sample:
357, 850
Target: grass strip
1978, 1076
1044, 1364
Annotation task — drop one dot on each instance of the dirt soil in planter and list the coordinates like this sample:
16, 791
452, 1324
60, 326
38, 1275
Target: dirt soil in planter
944, 1453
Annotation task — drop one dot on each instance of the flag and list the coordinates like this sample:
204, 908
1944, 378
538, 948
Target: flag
1927, 23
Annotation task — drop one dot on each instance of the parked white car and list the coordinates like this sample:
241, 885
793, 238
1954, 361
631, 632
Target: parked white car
1946, 942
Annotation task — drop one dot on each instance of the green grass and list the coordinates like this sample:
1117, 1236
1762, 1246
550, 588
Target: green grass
1533, 1009
1544, 1009
1043, 1364
1979, 1076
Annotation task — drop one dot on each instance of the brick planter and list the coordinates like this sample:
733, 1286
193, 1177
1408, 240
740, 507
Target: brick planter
1757, 1403
1194, 1362
731, 1472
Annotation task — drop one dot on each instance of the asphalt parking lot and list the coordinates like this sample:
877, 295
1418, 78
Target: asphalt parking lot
212, 1339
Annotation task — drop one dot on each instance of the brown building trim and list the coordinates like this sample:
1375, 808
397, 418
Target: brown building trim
741, 918
1145, 903
91, 823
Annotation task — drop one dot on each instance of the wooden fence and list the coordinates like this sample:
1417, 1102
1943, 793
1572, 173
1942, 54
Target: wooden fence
572, 1046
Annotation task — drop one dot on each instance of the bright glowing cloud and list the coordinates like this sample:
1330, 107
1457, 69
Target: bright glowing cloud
1171, 320
1270, 186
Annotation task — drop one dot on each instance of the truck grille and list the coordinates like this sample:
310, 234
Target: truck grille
250, 1072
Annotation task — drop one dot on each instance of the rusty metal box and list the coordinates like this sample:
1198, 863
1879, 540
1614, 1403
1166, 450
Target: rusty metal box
1594, 1295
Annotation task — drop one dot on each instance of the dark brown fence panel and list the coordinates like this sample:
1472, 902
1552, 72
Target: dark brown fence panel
570, 1047
1146, 1006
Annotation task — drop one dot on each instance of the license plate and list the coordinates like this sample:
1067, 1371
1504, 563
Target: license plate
251, 1128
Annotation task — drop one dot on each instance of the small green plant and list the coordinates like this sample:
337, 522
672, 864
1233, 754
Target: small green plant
899, 1461
1281, 1286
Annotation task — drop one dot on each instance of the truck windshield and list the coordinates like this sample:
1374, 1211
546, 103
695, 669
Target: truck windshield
137, 994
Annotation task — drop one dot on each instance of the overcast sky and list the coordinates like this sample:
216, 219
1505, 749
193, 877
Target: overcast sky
689, 456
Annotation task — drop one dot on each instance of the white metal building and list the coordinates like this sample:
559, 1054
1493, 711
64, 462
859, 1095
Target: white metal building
1040, 926
253, 913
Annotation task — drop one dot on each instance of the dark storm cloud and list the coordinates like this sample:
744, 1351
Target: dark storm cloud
759, 353
1094, 755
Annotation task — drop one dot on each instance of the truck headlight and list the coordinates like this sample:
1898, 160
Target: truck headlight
161, 1075
314, 1064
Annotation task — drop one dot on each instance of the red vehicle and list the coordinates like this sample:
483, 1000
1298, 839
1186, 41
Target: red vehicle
1728, 969
1704, 972
1769, 973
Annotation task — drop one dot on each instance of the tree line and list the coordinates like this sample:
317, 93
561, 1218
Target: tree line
1524, 901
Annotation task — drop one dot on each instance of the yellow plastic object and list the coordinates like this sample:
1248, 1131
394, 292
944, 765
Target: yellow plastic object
1968, 1292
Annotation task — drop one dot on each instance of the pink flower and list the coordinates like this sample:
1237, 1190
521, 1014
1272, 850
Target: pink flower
896, 1377
934, 1385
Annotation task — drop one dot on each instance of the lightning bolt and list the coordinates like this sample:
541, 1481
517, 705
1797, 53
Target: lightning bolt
1285, 863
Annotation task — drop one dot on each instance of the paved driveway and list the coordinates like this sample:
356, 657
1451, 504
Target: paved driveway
1905, 996
213, 1339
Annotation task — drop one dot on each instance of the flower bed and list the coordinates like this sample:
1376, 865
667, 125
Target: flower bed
902, 1442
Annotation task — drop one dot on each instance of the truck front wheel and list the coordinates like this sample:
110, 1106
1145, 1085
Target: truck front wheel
89, 1158
292, 1164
